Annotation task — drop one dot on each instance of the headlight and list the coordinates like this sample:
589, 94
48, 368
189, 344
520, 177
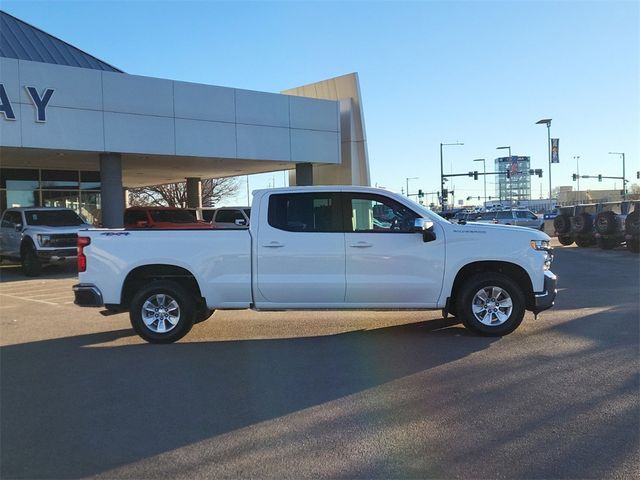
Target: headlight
44, 240
540, 245
545, 246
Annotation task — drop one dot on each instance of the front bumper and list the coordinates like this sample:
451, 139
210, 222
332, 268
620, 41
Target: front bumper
87, 295
57, 254
545, 299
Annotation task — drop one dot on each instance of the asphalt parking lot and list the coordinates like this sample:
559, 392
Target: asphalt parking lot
323, 394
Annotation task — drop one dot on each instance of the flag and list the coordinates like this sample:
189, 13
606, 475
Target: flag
555, 149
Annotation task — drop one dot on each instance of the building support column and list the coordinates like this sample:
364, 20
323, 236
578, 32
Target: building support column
111, 192
194, 192
304, 174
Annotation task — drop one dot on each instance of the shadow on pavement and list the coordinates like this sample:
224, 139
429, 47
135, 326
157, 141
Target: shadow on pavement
85, 410
11, 272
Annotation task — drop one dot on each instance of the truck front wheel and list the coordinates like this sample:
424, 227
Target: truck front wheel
31, 265
490, 304
162, 312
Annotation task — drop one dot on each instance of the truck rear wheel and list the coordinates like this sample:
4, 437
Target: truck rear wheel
584, 242
162, 312
607, 243
565, 240
490, 304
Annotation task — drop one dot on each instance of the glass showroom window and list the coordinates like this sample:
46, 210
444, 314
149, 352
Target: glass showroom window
19, 188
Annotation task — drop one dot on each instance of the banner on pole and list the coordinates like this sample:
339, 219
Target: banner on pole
514, 166
555, 149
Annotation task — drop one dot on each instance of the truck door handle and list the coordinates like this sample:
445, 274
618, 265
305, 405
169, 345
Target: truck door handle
273, 245
361, 245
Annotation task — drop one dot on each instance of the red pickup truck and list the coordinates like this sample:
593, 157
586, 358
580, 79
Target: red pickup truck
162, 217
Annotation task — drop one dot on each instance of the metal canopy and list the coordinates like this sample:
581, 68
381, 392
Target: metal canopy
22, 41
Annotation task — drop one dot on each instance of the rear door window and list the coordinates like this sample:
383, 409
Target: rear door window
305, 212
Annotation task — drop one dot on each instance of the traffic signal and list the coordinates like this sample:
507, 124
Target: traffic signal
637, 174
538, 172
445, 194
575, 177
508, 173
420, 194
475, 175
599, 178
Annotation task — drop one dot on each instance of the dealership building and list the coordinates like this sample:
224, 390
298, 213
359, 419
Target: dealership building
78, 132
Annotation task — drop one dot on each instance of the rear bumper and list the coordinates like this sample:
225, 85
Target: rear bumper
87, 295
546, 298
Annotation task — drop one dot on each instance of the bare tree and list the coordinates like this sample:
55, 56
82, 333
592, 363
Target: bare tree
175, 194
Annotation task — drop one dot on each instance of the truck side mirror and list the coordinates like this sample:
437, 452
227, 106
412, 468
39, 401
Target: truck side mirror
18, 227
425, 227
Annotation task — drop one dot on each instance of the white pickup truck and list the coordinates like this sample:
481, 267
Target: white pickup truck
319, 248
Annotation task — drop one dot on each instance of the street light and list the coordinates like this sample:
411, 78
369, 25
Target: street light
577, 159
547, 122
484, 171
442, 171
624, 176
410, 178
508, 166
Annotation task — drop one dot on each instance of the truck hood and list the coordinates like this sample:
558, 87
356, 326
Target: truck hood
44, 229
500, 230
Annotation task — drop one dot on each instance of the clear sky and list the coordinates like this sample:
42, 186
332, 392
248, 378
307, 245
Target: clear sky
479, 72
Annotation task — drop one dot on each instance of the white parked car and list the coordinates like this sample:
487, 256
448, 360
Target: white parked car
319, 248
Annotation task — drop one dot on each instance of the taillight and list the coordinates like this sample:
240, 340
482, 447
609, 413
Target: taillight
82, 260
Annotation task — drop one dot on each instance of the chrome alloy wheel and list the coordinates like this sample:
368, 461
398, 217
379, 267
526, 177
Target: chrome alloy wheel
492, 306
160, 313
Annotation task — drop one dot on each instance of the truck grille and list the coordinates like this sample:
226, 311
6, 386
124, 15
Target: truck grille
63, 240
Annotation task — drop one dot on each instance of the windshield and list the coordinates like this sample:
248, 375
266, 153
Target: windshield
172, 216
53, 218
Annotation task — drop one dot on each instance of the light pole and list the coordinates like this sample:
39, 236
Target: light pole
624, 175
547, 122
505, 175
484, 177
577, 159
442, 171
410, 178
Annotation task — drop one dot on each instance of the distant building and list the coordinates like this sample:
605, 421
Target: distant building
514, 181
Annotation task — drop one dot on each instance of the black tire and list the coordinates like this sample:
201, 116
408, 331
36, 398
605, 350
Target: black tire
607, 243
633, 245
565, 240
203, 314
605, 222
582, 223
31, 265
467, 297
584, 242
562, 224
632, 223
153, 294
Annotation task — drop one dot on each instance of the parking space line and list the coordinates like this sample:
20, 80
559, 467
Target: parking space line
52, 295
29, 299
